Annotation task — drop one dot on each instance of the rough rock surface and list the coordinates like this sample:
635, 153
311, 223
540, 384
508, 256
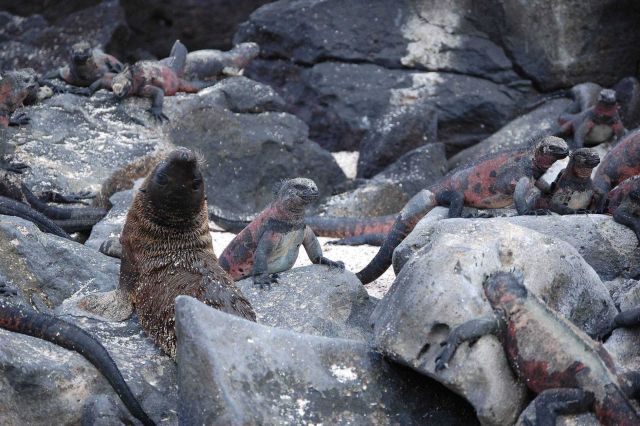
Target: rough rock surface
247, 154
279, 376
34, 42
623, 343
586, 419
47, 269
340, 101
608, 247
111, 225
314, 300
390, 189
399, 130
517, 134
440, 288
41, 381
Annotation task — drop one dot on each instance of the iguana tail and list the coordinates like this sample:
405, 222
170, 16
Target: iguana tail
11, 207
178, 58
421, 203
69, 336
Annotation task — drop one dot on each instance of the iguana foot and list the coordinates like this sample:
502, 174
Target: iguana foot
7, 291
264, 281
449, 348
331, 264
19, 119
157, 114
73, 198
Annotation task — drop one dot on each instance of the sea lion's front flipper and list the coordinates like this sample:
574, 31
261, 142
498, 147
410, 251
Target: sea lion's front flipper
112, 305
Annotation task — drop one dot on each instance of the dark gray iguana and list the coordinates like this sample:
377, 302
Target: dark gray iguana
270, 243
554, 358
572, 192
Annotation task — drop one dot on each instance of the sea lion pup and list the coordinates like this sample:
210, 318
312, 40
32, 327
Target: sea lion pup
167, 251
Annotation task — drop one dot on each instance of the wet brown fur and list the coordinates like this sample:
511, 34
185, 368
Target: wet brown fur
163, 260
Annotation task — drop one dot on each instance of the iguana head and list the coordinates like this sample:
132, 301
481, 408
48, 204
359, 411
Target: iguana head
548, 150
294, 195
80, 52
122, 84
583, 161
503, 289
607, 97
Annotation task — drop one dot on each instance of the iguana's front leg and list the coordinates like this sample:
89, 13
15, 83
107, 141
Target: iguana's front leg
261, 256
469, 331
157, 95
581, 132
314, 250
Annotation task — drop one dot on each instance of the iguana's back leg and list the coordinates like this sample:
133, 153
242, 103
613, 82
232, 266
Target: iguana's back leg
552, 403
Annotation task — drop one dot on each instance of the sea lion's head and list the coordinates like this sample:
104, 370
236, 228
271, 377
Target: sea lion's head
122, 83
548, 150
174, 190
294, 195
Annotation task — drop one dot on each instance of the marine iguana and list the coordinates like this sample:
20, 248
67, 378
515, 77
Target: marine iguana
16, 89
166, 252
270, 243
572, 191
155, 79
623, 202
596, 125
210, 64
89, 68
553, 357
52, 329
622, 162
69, 219
486, 183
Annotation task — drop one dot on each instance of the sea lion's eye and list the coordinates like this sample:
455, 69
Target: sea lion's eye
162, 179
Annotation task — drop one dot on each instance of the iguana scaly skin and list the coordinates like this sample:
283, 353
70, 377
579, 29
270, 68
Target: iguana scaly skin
622, 162
155, 79
487, 183
572, 191
270, 243
623, 202
551, 356
598, 124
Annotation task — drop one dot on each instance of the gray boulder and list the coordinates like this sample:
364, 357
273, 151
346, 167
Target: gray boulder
399, 130
440, 287
340, 101
233, 371
518, 133
47, 269
608, 247
110, 227
314, 300
247, 154
390, 189
73, 143
34, 42
623, 342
